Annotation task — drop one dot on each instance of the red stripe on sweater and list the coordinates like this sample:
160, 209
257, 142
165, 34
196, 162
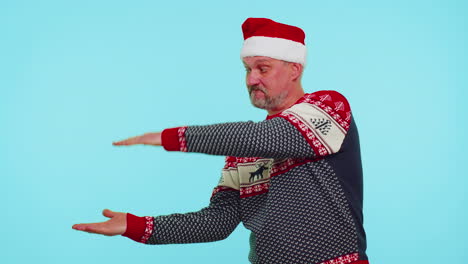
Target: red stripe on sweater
346, 259
222, 188
138, 228
173, 139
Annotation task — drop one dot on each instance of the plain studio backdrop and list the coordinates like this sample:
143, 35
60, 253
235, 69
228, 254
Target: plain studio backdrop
77, 75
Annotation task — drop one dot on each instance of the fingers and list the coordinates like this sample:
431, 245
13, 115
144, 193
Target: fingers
90, 228
80, 227
145, 139
129, 141
96, 228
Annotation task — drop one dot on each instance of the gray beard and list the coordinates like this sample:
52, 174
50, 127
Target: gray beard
268, 103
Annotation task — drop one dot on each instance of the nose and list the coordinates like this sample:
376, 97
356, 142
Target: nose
252, 78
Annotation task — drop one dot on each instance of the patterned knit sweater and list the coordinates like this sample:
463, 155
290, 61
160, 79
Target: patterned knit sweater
294, 180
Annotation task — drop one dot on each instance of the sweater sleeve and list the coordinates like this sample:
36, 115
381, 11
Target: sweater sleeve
315, 126
212, 223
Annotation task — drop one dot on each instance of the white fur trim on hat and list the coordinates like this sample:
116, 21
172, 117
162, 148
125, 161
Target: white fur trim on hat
276, 48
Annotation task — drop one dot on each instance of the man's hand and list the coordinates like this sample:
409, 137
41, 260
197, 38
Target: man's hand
116, 225
145, 139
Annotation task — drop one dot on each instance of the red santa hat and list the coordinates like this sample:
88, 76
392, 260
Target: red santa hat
265, 37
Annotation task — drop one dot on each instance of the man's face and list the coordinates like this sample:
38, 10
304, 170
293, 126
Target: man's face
267, 81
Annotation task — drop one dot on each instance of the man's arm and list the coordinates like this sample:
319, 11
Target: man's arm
314, 127
269, 138
212, 223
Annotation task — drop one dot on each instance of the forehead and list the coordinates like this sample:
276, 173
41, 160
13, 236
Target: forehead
251, 61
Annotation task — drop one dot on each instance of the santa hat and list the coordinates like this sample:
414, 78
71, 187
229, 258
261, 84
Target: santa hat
265, 37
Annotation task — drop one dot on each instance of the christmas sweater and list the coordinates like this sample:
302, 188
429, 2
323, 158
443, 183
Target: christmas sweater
294, 180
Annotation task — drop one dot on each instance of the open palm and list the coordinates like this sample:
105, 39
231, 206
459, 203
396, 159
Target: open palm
116, 225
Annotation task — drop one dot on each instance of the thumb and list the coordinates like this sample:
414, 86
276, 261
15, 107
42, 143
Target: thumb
108, 213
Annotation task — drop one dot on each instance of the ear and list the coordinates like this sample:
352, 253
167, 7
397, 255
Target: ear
296, 70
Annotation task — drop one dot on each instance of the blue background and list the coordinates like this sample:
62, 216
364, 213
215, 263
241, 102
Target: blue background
77, 75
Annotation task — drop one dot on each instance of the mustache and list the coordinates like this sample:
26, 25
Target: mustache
256, 88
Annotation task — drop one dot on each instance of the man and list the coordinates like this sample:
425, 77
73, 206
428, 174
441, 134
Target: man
294, 180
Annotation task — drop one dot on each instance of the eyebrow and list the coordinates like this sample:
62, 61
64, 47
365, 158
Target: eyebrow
261, 61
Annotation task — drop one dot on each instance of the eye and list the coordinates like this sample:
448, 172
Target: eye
248, 70
263, 69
